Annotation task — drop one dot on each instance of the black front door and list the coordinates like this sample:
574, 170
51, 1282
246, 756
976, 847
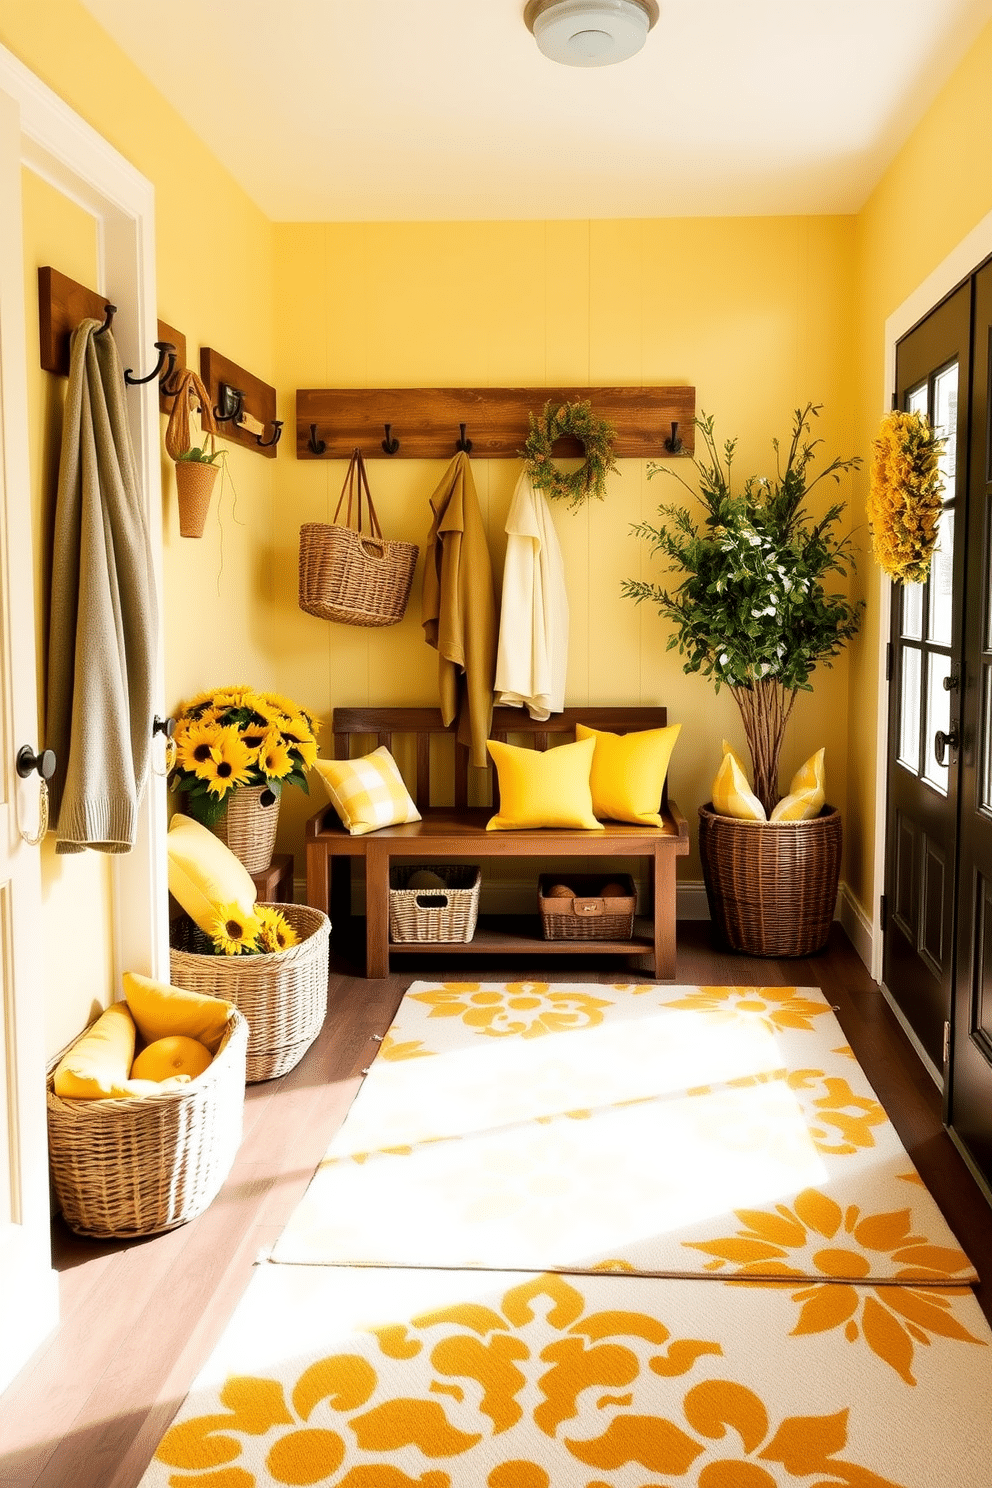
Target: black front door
969, 1097
932, 377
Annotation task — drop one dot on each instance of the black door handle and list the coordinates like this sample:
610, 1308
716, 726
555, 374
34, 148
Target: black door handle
27, 761
943, 742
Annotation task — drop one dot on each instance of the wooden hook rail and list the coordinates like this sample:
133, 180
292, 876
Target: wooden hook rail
432, 423
63, 303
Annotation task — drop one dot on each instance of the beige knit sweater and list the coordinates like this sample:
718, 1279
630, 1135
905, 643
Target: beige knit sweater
103, 616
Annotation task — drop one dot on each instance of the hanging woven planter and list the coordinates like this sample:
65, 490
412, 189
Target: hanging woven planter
194, 488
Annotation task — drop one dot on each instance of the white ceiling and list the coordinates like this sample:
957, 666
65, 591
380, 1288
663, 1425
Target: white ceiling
356, 110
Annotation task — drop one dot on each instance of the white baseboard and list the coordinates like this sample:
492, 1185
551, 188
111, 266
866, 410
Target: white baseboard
856, 923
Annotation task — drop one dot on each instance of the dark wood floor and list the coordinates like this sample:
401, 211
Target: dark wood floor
140, 1318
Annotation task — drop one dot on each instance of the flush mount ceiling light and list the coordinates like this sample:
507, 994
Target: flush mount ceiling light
590, 33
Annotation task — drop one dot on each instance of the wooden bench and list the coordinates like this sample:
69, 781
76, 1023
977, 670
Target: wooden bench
459, 832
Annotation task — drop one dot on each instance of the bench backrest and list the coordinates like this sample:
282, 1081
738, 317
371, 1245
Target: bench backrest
384, 724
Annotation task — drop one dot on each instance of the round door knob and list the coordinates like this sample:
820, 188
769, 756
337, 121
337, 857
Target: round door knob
27, 761
166, 726
942, 742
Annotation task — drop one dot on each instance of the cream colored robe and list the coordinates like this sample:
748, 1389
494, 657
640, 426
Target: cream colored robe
533, 632
459, 607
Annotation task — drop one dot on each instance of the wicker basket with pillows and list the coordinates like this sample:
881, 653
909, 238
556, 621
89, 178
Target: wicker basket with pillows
136, 1156
283, 995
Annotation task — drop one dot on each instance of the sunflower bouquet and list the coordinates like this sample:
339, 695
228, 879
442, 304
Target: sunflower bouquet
264, 932
237, 736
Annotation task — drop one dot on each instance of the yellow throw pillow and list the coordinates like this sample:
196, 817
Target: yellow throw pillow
807, 792
368, 793
204, 873
160, 1011
99, 1063
732, 796
548, 788
628, 772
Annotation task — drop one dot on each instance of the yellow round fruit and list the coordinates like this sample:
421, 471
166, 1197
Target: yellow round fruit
175, 1055
561, 891
425, 878
613, 891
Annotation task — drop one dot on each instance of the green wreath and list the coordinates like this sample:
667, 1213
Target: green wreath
596, 436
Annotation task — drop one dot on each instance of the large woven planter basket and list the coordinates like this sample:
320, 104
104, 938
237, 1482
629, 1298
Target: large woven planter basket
249, 825
283, 996
771, 886
147, 1164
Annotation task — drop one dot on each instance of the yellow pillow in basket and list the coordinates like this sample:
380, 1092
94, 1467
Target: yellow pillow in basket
98, 1066
732, 796
628, 772
204, 873
368, 793
160, 1010
547, 788
807, 793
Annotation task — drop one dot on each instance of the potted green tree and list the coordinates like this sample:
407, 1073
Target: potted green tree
750, 610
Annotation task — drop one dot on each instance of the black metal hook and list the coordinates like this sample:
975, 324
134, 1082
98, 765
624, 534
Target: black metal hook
314, 445
461, 443
276, 435
674, 444
109, 311
172, 373
231, 405
165, 350
389, 444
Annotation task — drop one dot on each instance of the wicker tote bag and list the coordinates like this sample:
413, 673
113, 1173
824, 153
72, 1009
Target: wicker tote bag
351, 577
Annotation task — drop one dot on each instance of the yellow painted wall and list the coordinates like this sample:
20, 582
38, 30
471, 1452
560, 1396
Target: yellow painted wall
215, 275
934, 193
755, 313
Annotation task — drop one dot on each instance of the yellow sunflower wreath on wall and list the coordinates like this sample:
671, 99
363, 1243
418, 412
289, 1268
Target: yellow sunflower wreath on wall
905, 498
596, 436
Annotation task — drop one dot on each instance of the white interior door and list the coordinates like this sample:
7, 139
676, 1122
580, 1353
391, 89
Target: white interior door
39, 131
28, 1292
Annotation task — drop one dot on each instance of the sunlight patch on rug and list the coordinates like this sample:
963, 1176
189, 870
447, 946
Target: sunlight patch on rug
668, 1131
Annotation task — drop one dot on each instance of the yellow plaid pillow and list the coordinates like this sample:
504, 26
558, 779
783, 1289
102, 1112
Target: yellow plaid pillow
807, 792
368, 793
732, 796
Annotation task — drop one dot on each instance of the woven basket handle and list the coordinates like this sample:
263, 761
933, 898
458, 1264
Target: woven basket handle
355, 482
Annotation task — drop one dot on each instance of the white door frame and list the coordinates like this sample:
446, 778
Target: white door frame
49, 139
955, 268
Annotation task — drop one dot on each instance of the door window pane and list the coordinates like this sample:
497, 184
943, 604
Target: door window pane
938, 717
909, 711
916, 400
945, 423
986, 738
912, 612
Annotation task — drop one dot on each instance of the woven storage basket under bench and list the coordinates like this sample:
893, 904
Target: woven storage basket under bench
148, 1163
283, 996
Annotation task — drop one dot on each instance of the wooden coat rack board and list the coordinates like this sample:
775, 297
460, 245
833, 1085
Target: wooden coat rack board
260, 432
62, 304
425, 423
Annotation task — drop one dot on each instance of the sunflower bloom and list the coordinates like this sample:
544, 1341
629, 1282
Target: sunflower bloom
228, 765
194, 740
274, 758
275, 933
234, 933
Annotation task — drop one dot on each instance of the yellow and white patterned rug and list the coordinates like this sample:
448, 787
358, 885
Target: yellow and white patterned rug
451, 1379
670, 1131
822, 1339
